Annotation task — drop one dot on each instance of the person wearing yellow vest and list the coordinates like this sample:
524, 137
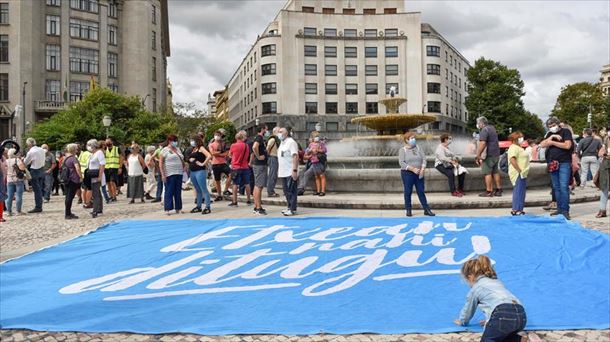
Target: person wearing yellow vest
83, 160
114, 160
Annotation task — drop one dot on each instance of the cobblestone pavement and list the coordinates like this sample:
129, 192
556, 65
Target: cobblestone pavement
25, 234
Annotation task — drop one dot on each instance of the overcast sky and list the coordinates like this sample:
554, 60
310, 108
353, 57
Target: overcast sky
552, 43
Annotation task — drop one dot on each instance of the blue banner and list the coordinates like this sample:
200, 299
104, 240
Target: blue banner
305, 276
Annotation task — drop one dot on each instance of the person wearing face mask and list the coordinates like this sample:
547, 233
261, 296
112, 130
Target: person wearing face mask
288, 157
412, 163
114, 170
49, 165
171, 162
559, 145
219, 165
95, 169
272, 162
315, 152
488, 157
518, 169
603, 177
259, 166
59, 157
446, 162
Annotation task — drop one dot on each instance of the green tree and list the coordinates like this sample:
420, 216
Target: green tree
192, 120
82, 121
495, 91
574, 103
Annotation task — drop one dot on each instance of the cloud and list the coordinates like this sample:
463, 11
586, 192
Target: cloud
552, 43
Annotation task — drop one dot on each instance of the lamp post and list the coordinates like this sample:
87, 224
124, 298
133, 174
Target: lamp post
23, 108
144, 100
107, 121
590, 115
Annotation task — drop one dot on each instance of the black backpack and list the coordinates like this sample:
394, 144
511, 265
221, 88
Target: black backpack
503, 163
64, 173
20, 174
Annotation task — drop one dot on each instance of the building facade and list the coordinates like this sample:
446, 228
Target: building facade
604, 80
325, 62
52, 51
222, 109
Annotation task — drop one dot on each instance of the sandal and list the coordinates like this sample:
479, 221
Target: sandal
321, 194
514, 212
601, 213
206, 211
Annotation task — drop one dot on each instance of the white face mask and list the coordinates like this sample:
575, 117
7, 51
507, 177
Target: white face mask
520, 141
282, 137
316, 139
193, 143
45, 150
449, 141
89, 148
554, 129
217, 137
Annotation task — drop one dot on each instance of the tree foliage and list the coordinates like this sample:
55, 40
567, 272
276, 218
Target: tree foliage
495, 91
575, 101
82, 121
192, 120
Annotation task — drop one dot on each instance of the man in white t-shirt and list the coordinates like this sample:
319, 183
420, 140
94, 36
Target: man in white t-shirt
288, 160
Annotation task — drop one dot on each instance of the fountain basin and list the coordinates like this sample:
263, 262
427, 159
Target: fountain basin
387, 124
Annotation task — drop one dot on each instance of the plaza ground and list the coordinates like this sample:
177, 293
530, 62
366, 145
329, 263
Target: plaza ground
25, 234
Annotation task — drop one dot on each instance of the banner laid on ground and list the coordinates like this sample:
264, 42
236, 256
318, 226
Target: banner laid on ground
305, 276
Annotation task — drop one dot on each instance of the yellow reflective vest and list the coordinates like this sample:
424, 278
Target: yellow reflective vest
112, 158
83, 160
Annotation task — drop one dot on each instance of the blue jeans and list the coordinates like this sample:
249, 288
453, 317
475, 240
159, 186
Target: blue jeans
159, 187
561, 186
14, 189
289, 186
505, 322
199, 180
37, 186
519, 193
409, 179
173, 193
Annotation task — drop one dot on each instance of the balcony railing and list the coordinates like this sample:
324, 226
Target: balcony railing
50, 106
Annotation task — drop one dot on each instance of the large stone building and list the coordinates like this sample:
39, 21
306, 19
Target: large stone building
328, 61
604, 80
222, 109
51, 51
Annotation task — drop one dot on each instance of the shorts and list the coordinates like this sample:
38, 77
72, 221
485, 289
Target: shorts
318, 168
490, 165
86, 184
219, 169
260, 175
240, 177
112, 175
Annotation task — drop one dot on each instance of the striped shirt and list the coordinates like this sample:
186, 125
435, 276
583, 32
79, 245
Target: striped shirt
173, 162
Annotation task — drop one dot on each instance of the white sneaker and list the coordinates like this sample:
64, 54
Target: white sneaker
288, 213
285, 210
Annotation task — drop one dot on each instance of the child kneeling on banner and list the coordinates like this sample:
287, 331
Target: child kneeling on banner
505, 316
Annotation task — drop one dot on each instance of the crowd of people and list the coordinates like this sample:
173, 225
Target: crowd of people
95, 173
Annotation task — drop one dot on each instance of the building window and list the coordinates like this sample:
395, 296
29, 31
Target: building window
154, 68
330, 51
388, 86
433, 69
351, 107
351, 70
391, 32
154, 40
113, 67
368, 11
85, 5
52, 90
391, 69
433, 51
309, 31
434, 88
327, 10
391, 51
330, 32
351, 52
370, 52
53, 3
269, 108
389, 11
434, 107
269, 88
307, 9
332, 126
311, 51
154, 14
446, 91
349, 11
3, 87
372, 108
4, 48
311, 88
331, 108
351, 89
112, 36
4, 13
372, 88
311, 69
114, 87
370, 70
268, 50
350, 33
370, 33
330, 88
330, 70
53, 25
53, 57
268, 69
78, 90
112, 12
83, 29
154, 100
311, 108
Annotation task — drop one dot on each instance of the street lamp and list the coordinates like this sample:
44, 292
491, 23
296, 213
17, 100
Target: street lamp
23, 108
423, 108
107, 121
257, 122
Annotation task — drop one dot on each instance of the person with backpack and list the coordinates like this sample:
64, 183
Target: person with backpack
587, 150
488, 157
518, 169
15, 177
70, 176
